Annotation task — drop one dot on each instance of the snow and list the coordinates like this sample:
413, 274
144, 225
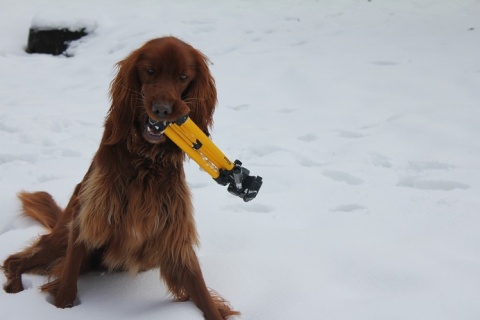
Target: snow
362, 117
72, 19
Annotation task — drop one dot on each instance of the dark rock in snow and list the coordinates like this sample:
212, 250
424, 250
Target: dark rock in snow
52, 41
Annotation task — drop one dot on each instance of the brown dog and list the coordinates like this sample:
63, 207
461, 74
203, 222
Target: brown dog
132, 211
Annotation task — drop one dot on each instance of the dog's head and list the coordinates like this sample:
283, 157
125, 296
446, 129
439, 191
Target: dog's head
160, 82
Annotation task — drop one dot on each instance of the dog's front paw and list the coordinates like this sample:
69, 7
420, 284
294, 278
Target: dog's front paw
65, 298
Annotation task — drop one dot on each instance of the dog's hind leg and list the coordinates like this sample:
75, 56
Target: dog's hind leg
37, 259
45, 254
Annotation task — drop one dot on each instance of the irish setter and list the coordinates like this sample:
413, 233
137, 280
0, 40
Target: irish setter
132, 211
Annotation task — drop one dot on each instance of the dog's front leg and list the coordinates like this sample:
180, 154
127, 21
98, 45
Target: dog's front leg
185, 280
197, 289
67, 283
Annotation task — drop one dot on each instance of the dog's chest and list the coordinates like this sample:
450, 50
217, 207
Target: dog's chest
123, 215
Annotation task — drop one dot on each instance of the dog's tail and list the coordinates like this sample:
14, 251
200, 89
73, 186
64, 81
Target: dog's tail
41, 207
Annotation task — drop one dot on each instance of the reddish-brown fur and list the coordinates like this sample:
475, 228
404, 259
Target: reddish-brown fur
132, 211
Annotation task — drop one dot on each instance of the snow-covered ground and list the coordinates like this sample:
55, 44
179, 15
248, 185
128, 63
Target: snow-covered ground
363, 118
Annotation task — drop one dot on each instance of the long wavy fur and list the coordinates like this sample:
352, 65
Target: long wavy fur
133, 210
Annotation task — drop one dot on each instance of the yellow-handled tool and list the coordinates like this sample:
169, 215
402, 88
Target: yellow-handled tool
194, 142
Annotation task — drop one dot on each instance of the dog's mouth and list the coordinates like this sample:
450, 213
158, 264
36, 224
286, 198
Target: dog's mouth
153, 130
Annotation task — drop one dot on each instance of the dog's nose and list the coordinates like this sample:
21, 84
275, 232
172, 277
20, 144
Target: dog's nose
162, 109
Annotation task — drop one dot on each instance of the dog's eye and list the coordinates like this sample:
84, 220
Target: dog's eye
150, 71
183, 77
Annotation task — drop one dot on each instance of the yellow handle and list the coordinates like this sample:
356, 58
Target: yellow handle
194, 142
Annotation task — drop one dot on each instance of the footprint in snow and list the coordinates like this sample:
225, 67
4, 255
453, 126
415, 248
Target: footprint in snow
7, 128
6, 158
239, 107
424, 184
428, 165
307, 162
430, 184
349, 134
386, 63
286, 110
342, 177
348, 208
310, 137
379, 160
266, 150
299, 43
254, 207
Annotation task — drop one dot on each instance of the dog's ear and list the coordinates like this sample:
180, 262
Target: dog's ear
125, 95
201, 95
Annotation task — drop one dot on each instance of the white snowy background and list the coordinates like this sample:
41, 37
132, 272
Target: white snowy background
362, 117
